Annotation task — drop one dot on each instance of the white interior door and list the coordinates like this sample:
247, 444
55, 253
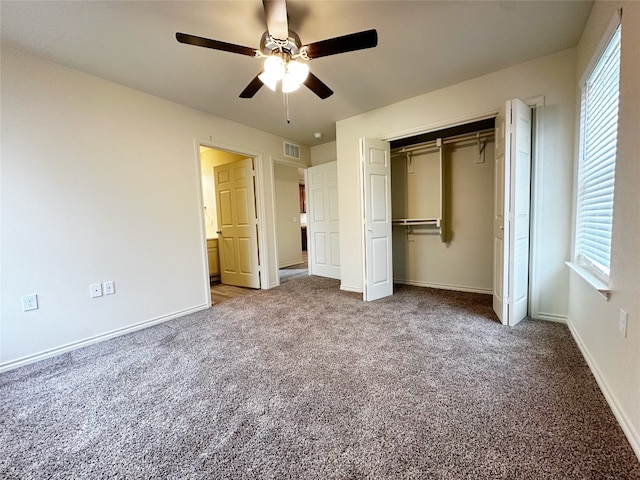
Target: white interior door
378, 254
237, 224
511, 212
322, 220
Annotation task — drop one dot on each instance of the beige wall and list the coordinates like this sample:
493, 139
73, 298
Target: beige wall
287, 203
101, 182
553, 77
615, 360
324, 153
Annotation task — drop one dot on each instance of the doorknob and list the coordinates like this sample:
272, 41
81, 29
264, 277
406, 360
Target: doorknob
219, 232
370, 229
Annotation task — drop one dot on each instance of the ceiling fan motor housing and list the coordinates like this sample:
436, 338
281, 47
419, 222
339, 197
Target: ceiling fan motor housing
291, 46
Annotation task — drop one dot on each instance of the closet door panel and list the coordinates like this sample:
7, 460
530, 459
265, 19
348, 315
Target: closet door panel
378, 261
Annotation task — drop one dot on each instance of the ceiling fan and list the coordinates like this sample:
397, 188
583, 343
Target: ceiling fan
285, 56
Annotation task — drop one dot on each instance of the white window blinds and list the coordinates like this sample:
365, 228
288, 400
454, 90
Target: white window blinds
599, 132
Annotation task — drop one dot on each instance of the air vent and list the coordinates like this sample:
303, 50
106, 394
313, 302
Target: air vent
291, 150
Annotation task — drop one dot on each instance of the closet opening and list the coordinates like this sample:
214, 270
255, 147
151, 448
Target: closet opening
442, 202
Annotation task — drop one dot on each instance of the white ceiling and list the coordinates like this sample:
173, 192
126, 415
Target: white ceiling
422, 46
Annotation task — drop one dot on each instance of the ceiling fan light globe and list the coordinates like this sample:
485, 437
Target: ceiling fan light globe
274, 70
274, 66
298, 71
269, 80
289, 83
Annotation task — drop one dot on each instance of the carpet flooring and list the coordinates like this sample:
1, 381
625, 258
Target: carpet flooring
307, 382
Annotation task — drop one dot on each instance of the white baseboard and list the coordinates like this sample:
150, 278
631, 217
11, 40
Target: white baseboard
551, 317
290, 263
98, 338
444, 286
347, 288
632, 435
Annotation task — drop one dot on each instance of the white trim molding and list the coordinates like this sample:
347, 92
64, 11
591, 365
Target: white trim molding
627, 427
439, 125
20, 362
594, 282
445, 286
260, 203
536, 209
347, 288
550, 317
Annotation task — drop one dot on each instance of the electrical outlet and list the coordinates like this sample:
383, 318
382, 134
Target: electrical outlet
29, 302
622, 323
96, 290
109, 287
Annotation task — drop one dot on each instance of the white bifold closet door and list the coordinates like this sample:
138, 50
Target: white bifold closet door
511, 212
375, 157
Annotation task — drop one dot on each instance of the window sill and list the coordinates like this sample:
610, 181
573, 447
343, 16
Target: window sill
598, 285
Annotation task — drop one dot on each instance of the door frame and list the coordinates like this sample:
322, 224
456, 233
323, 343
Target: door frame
263, 257
536, 222
289, 163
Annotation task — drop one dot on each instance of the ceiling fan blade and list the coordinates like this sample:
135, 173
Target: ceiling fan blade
252, 88
215, 44
275, 12
317, 86
343, 44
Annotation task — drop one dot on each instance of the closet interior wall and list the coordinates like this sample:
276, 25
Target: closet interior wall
464, 260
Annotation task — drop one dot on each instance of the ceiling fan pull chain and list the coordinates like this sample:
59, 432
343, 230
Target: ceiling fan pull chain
286, 106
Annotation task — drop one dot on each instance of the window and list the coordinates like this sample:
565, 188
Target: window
597, 160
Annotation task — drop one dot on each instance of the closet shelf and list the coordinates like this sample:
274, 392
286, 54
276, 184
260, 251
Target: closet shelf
426, 222
435, 222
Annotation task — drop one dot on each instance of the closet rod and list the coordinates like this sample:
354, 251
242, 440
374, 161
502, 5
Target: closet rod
432, 145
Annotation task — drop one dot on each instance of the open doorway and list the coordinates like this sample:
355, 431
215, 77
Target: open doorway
230, 219
290, 217
442, 197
